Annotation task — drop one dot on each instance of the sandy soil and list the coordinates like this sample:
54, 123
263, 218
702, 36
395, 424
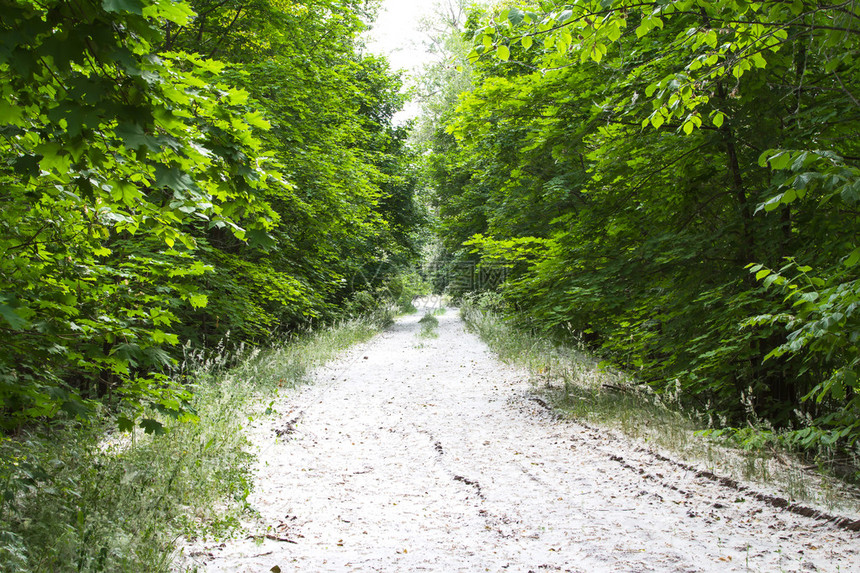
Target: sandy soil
417, 454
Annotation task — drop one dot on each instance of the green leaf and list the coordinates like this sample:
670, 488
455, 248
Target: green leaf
711, 38
153, 427
774, 278
801, 181
503, 53
649, 91
172, 178
12, 317
134, 137
781, 160
837, 390
132, 6
527, 42
125, 192
125, 423
800, 161
9, 113
759, 60
177, 12
54, 158
772, 204
851, 192
161, 337
198, 300
257, 120
27, 165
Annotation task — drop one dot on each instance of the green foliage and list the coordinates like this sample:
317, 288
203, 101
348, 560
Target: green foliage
176, 178
75, 503
153, 195
578, 386
404, 288
820, 316
76, 498
627, 162
352, 205
109, 154
429, 323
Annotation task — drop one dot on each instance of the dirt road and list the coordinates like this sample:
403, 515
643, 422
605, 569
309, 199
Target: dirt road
420, 454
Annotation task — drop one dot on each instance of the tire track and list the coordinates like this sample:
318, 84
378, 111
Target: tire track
430, 455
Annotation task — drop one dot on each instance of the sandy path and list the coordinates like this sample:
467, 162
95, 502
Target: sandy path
415, 454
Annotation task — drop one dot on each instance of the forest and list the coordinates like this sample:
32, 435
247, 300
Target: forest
673, 185
670, 185
174, 174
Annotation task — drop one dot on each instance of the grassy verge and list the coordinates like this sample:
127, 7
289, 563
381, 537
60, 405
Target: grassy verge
77, 498
578, 388
428, 323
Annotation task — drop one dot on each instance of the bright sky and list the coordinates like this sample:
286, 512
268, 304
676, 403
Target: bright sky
395, 35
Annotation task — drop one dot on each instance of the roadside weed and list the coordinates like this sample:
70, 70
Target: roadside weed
428, 323
84, 498
578, 387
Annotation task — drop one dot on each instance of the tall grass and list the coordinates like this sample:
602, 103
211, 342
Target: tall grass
428, 323
574, 383
81, 498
